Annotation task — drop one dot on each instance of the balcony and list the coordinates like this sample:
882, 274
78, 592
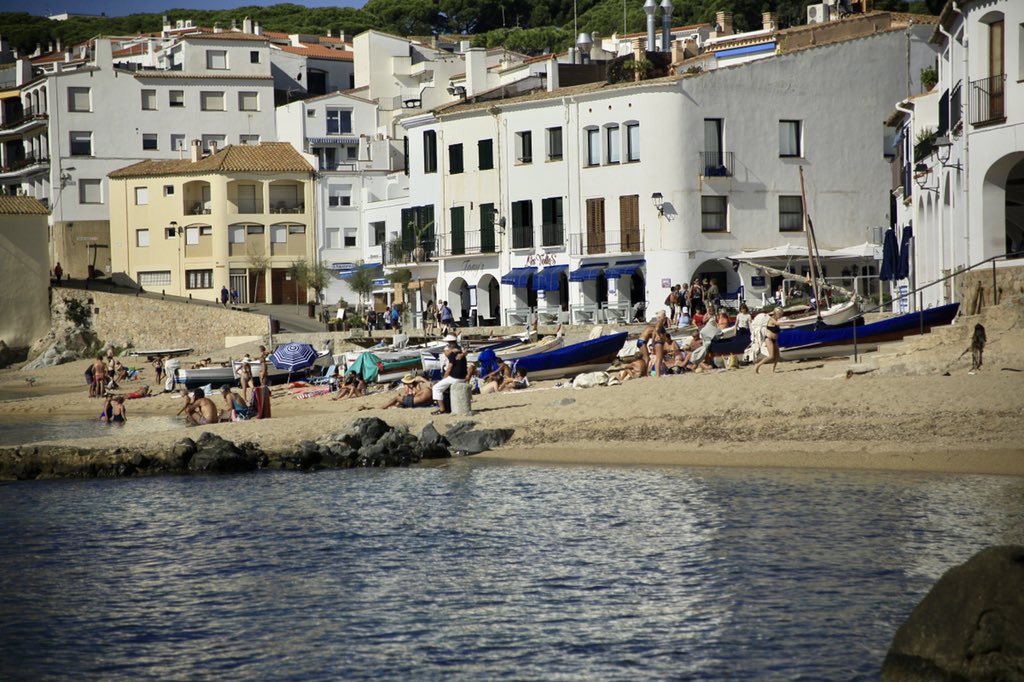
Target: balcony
400, 252
288, 207
29, 164
468, 243
715, 164
552, 234
988, 99
629, 241
956, 107
522, 236
19, 124
246, 206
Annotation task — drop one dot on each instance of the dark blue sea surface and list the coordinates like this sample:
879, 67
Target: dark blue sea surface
481, 571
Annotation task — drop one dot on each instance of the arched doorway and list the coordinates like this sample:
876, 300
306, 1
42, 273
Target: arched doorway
638, 295
459, 300
488, 300
1015, 211
1002, 207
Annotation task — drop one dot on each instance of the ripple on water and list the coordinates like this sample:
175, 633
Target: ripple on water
473, 571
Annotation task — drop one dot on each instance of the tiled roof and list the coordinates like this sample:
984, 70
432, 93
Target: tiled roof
17, 205
208, 34
267, 157
227, 75
318, 52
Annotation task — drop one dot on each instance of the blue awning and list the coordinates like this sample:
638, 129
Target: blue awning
587, 273
623, 269
519, 277
547, 279
377, 269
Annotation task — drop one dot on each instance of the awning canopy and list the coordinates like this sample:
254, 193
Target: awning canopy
865, 250
519, 277
340, 139
623, 269
376, 268
547, 279
587, 273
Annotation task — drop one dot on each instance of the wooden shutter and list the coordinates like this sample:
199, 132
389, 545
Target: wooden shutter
629, 222
595, 226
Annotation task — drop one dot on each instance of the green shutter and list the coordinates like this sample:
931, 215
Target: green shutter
458, 214
487, 214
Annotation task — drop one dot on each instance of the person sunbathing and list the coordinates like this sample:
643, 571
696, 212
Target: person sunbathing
634, 370
237, 409
415, 392
517, 381
201, 410
353, 386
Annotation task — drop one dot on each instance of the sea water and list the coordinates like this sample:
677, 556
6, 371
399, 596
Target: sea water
481, 571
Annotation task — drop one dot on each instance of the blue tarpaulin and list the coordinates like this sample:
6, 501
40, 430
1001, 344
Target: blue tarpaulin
623, 269
519, 277
547, 279
587, 273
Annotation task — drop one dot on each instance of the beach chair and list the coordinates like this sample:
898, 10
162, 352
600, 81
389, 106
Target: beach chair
325, 378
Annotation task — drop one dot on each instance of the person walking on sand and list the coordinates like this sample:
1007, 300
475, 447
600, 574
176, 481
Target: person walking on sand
244, 373
99, 378
771, 341
58, 272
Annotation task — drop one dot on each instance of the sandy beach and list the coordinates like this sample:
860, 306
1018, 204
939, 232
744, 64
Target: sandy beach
918, 409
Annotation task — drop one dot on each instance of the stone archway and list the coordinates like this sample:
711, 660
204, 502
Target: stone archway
1002, 206
459, 300
488, 300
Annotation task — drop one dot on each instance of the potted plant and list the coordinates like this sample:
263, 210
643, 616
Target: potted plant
419, 252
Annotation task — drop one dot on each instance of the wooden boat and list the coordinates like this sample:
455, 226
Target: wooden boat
433, 366
836, 316
218, 376
587, 356
161, 352
795, 344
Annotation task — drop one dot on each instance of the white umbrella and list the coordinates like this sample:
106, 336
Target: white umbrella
781, 252
865, 250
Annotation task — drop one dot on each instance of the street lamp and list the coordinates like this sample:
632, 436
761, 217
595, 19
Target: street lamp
176, 231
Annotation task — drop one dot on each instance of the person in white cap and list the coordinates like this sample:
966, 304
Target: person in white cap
684, 316
456, 371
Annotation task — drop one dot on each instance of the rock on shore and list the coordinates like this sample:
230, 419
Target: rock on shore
367, 442
970, 626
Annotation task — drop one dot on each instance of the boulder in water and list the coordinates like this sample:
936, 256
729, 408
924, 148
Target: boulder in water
970, 625
464, 437
215, 455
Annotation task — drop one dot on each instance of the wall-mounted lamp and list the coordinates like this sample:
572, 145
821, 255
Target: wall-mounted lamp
659, 202
175, 228
943, 148
921, 174
457, 90
65, 177
500, 222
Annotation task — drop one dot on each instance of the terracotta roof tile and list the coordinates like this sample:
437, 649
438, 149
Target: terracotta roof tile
317, 52
208, 34
267, 157
18, 205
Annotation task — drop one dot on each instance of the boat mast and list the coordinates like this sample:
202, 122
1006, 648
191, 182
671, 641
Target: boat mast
808, 230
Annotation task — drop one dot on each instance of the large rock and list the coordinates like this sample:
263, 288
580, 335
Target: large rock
464, 438
970, 625
214, 455
432, 445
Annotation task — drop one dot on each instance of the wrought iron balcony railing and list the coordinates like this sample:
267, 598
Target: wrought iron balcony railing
715, 164
988, 99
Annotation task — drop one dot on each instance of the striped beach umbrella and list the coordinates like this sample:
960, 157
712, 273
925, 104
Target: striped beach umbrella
293, 356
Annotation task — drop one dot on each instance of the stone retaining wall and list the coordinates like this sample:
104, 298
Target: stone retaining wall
975, 288
147, 322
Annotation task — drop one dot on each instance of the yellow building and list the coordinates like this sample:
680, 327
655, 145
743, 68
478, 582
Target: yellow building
24, 271
236, 218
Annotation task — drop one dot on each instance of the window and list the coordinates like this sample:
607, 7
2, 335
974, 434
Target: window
310, 113
236, 234
248, 101
457, 222
429, 151
555, 144
209, 140
378, 229
339, 195
254, 229
249, 139
176, 98
90, 191
593, 147
160, 278
333, 237
713, 214
169, 232
149, 141
488, 216
552, 231
350, 237
296, 229
149, 100
339, 121
177, 142
613, 143
629, 223
81, 143
217, 59
254, 56
524, 147
191, 236
522, 224
791, 214
168, 190
455, 158
141, 196
351, 152
789, 139
211, 101
632, 142
278, 234
79, 100
485, 151
199, 279
142, 238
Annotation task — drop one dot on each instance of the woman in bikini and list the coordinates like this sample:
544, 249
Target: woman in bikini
771, 340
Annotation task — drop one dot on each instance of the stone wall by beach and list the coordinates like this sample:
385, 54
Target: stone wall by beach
976, 286
146, 322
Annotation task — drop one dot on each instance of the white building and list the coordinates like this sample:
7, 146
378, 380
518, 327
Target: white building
967, 181
600, 197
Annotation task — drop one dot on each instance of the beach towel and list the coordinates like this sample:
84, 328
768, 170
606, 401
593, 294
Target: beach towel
310, 392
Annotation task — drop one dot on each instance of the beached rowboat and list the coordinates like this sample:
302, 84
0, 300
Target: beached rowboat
587, 356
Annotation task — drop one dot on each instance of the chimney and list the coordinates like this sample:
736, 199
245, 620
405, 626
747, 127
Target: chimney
552, 74
650, 7
666, 24
768, 21
724, 21
217, 28
257, 29
213, 147
330, 33
247, 25
59, 47
103, 56
476, 71
234, 24
197, 150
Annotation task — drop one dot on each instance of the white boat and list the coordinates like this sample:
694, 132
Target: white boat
836, 316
